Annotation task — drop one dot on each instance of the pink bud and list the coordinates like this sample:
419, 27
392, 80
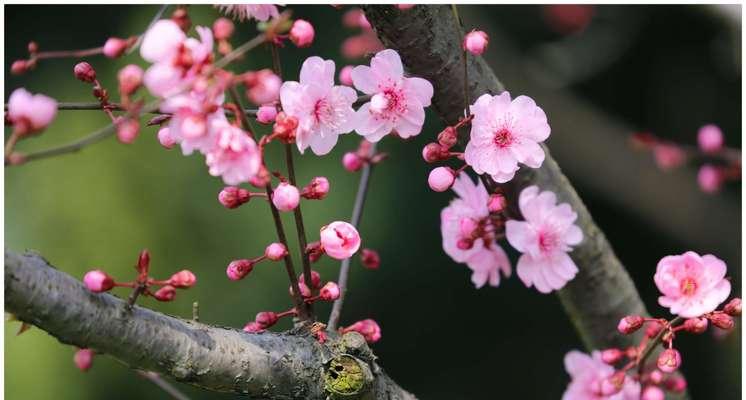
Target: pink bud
275, 251
695, 325
19, 67
733, 307
475, 42
630, 324
231, 197
130, 78
84, 72
656, 376
345, 75
285, 126
653, 329
127, 129
143, 262
166, 293
441, 179
266, 319
238, 269
84, 359
676, 384
652, 393
367, 327
352, 162
315, 279
165, 138
433, 152
302, 33
340, 240
285, 197
329, 292
315, 251
115, 47
183, 279
222, 28
496, 203
263, 86
710, 138
261, 179
611, 356
98, 281
448, 137
669, 360
317, 189
253, 327
305, 292
370, 259
710, 178
266, 114
722, 320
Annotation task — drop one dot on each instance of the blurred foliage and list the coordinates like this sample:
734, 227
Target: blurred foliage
441, 337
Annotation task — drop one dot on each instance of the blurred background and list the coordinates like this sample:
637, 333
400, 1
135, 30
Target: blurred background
600, 72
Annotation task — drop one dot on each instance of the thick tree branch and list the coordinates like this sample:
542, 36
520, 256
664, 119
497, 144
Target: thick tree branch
428, 39
291, 365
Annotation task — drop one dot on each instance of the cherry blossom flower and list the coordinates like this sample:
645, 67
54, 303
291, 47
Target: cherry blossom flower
286, 197
323, 110
710, 138
692, 285
588, 374
505, 133
475, 42
98, 281
241, 12
397, 103
340, 240
544, 238
235, 157
194, 116
30, 113
302, 33
263, 86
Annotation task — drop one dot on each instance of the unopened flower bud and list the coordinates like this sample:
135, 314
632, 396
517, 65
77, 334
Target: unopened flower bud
231, 197
441, 179
130, 79
253, 327
352, 162
305, 292
285, 126
653, 329
475, 42
127, 130
722, 321
315, 279
266, 319
733, 308
32, 47
302, 33
19, 67
695, 325
165, 138
166, 293
669, 360
656, 376
143, 262
345, 75
275, 251
676, 384
710, 138
317, 189
115, 47
285, 197
329, 292
261, 179
183, 279
339, 239
315, 251
84, 72
367, 327
652, 393
370, 259
611, 356
98, 281
238, 269
630, 324
222, 28
84, 359
266, 114
448, 137
433, 152
710, 178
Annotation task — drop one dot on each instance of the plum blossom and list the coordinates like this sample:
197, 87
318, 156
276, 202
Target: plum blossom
340, 240
544, 238
194, 114
235, 156
465, 238
397, 103
241, 12
505, 133
30, 113
692, 285
323, 110
588, 374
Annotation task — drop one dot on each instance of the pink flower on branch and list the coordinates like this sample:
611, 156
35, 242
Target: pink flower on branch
545, 237
505, 133
592, 379
236, 157
397, 103
340, 240
241, 12
30, 113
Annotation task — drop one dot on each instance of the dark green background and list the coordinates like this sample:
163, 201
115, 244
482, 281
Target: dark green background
441, 337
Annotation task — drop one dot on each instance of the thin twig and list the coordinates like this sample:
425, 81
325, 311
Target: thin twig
163, 384
653, 343
344, 271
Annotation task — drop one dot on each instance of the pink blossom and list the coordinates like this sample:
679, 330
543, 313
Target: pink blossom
263, 86
30, 113
352, 162
302, 33
505, 133
130, 78
710, 178
166, 293
275, 251
285, 197
653, 393
590, 377
241, 12
544, 238
183, 279
345, 75
370, 259
397, 103
115, 47
340, 240
367, 327
235, 157
669, 360
162, 41
223, 28
475, 42
329, 292
487, 264
84, 359
266, 114
692, 285
317, 189
127, 129
710, 138
441, 178
98, 281
238, 269
315, 279
197, 118
165, 138
84, 72
358, 46
323, 110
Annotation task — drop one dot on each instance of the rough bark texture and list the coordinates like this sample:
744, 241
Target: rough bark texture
428, 38
290, 365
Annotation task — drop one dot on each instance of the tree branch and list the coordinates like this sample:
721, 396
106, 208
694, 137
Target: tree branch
290, 365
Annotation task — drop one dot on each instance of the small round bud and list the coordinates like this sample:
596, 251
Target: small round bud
84, 72
352, 162
238, 269
710, 178
315, 279
315, 251
253, 327
231, 197
115, 47
669, 360
676, 384
630, 324
733, 308
166, 293
266, 319
370, 259
266, 114
433, 152
611, 356
497, 203
33, 47
98, 281
722, 321
656, 376
710, 138
448, 137
317, 189
696, 325
475, 42
165, 138
83, 359
275, 251
302, 33
285, 197
183, 279
19, 67
305, 292
130, 79
223, 28
261, 179
345, 75
652, 393
441, 179
340, 240
329, 292
127, 130
367, 327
